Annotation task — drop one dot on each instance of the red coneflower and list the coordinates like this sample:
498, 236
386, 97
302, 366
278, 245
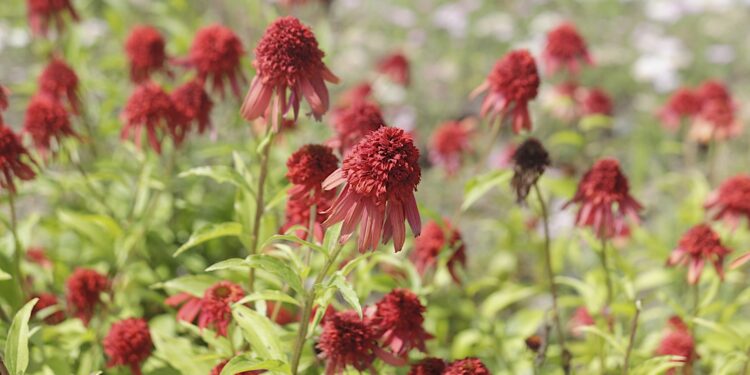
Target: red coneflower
380, 175
354, 122
678, 342
466, 366
145, 49
512, 83
84, 289
298, 213
48, 300
731, 200
400, 316
565, 49
38, 256
716, 118
128, 343
288, 58
151, 107
449, 143
43, 12
396, 67
530, 161
217, 370
216, 53
683, 104
308, 167
14, 159
698, 246
192, 105
596, 101
359, 92
46, 120
216, 306
601, 188
434, 239
428, 366
61, 82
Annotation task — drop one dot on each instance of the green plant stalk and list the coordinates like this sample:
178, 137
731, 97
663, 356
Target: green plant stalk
307, 310
90, 186
607, 276
631, 340
16, 245
259, 203
696, 306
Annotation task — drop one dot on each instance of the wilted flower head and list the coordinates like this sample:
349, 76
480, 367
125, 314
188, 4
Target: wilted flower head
716, 118
217, 369
529, 162
380, 176
48, 300
60, 81
512, 83
216, 311
192, 105
288, 58
434, 239
449, 143
145, 50
308, 167
698, 246
678, 342
400, 318
46, 120
683, 104
428, 366
128, 343
354, 122
396, 67
466, 366
731, 200
596, 101
602, 189
151, 107
84, 289
43, 12
14, 159
565, 49
216, 53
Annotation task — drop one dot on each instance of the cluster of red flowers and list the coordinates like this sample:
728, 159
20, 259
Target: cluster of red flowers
709, 108
435, 239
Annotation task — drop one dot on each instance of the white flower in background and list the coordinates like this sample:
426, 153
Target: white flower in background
454, 17
665, 10
401, 17
91, 30
720, 54
495, 25
402, 117
660, 58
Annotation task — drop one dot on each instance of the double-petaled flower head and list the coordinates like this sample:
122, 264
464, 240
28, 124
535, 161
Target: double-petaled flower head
84, 288
41, 13
216, 54
288, 62
128, 343
46, 121
146, 52
396, 67
529, 162
353, 122
682, 104
731, 201
192, 105
717, 116
150, 107
605, 201
466, 366
348, 340
512, 83
380, 176
436, 238
213, 310
60, 81
698, 246
15, 160
428, 366
565, 49
308, 167
449, 143
400, 318
678, 342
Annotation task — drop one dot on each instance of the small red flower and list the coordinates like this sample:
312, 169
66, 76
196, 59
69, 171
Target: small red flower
361, 91
581, 318
434, 239
216, 304
678, 342
14, 159
449, 143
43, 12
298, 213
565, 49
192, 105
512, 83
217, 370
396, 67
380, 176
151, 107
308, 167
288, 59
37, 255
400, 316
716, 118
698, 246
128, 343
216, 53
596, 101
731, 200
84, 289
466, 366
146, 52
354, 122
61, 82
428, 366
48, 300
683, 104
601, 188
46, 121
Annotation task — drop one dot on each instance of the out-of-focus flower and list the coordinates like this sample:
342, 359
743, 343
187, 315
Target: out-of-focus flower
128, 343
581, 318
396, 67
428, 366
46, 120
565, 49
596, 101
400, 318
354, 122
84, 289
43, 12
213, 310
287, 59
308, 167
530, 160
380, 176
145, 50
298, 213
563, 100
601, 188
731, 200
512, 83
15, 159
151, 107
678, 342
466, 366
216, 53
450, 142
683, 104
60, 81
217, 369
48, 300
37, 255
192, 105
716, 118
434, 239
357, 93
698, 246
533, 343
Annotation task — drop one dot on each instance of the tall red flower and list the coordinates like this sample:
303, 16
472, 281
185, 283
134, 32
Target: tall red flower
217, 369
716, 118
48, 300
449, 143
731, 200
428, 366
596, 101
601, 188
683, 104
146, 51
15, 159
466, 366
46, 121
512, 83
678, 342
400, 316
61, 82
698, 246
128, 343
84, 289
151, 107
565, 49
308, 167
216, 53
396, 67
288, 59
380, 176
43, 12
434, 239
192, 105
354, 122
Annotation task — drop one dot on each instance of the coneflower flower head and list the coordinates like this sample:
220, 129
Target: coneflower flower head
41, 13
596, 101
400, 318
683, 104
396, 67
731, 201
428, 366
192, 105
354, 122
15, 159
434, 239
46, 121
128, 343
698, 246
565, 49
466, 366
151, 107
61, 82
146, 51
216, 54
84, 288
449, 143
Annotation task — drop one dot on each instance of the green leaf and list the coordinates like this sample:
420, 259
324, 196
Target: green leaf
228, 263
259, 331
192, 284
244, 362
503, 298
210, 232
219, 173
17, 344
295, 239
606, 336
100, 229
277, 267
339, 282
4, 275
478, 186
567, 137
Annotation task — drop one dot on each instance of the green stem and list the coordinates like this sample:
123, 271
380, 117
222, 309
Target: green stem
17, 248
90, 186
696, 306
631, 341
259, 203
607, 277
